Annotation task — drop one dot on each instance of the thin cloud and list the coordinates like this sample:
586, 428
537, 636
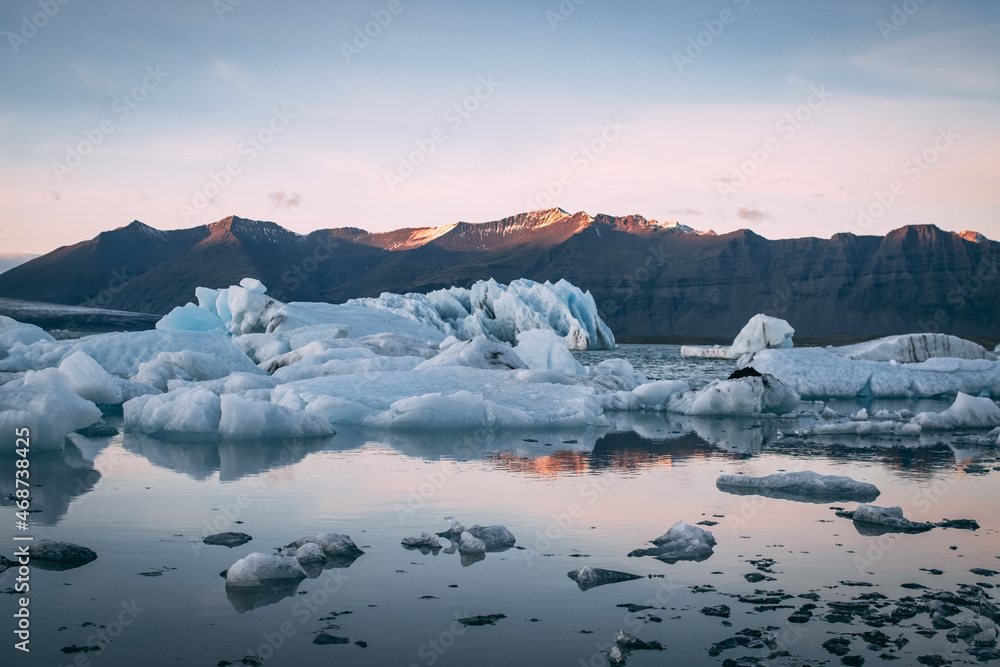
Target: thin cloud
752, 214
684, 211
285, 200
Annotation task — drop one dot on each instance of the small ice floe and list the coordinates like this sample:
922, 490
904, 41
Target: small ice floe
625, 644
915, 348
258, 569
591, 577
340, 550
496, 538
454, 531
681, 542
50, 555
873, 520
976, 630
805, 486
227, 539
425, 543
471, 548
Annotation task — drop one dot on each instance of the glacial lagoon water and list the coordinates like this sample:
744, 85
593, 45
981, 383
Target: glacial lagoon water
572, 498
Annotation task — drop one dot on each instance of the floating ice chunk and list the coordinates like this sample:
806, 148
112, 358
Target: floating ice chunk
13, 332
966, 412
244, 419
591, 577
480, 352
426, 541
338, 546
257, 569
804, 486
655, 395
190, 318
93, 383
496, 538
681, 542
861, 416
34, 357
914, 348
889, 519
975, 630
762, 332
48, 397
744, 396
190, 410
545, 350
462, 409
310, 555
614, 367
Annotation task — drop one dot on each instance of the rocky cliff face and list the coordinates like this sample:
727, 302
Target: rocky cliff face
649, 278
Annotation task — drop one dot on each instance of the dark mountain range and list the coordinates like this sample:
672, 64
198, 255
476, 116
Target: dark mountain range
650, 279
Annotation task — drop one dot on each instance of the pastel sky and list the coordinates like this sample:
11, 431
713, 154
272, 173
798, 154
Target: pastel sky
787, 117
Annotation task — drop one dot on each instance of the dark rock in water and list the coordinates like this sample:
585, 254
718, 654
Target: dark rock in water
324, 639
913, 587
79, 649
730, 643
362, 644
634, 608
227, 539
839, 646
99, 429
961, 524
6, 564
933, 661
482, 620
625, 644
722, 611
248, 661
803, 614
748, 372
853, 660
983, 572
49, 555
754, 577
708, 523
591, 577
876, 638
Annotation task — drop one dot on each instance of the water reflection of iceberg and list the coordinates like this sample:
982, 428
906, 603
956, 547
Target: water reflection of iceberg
62, 476
232, 460
273, 591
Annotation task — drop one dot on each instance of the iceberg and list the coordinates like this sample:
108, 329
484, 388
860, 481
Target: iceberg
495, 538
480, 352
805, 486
500, 312
14, 333
44, 401
681, 542
762, 332
915, 348
91, 382
820, 373
258, 569
886, 520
